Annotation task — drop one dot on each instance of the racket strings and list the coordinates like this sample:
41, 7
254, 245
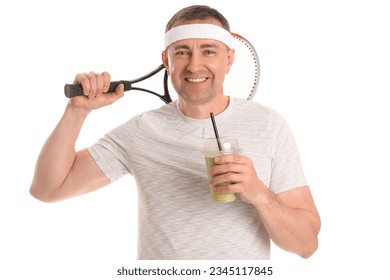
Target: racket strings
244, 76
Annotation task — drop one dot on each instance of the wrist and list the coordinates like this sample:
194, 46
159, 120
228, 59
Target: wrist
77, 111
264, 198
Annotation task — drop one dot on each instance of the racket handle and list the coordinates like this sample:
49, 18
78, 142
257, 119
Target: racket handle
73, 90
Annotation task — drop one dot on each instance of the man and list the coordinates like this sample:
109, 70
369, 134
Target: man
161, 149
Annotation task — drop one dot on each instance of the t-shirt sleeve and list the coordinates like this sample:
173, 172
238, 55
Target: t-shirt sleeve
286, 168
111, 153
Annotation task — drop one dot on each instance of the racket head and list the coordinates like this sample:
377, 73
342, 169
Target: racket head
243, 79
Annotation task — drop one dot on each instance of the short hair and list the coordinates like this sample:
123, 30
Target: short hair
197, 12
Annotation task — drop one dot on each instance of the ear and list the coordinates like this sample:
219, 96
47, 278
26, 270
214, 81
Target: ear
165, 60
230, 60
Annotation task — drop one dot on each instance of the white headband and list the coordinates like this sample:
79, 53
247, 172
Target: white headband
198, 31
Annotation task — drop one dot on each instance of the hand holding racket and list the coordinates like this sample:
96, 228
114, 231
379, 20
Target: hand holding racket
241, 82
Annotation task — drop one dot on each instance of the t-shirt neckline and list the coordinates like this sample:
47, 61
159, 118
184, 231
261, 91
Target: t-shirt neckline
221, 116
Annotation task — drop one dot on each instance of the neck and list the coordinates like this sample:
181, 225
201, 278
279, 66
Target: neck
202, 111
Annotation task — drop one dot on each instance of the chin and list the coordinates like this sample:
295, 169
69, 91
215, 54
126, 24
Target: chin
197, 99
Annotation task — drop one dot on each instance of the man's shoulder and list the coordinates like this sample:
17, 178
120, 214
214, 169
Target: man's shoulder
254, 108
165, 110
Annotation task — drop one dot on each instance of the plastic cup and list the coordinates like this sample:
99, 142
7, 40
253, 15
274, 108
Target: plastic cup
211, 150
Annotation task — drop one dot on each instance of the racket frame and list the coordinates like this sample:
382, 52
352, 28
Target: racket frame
256, 59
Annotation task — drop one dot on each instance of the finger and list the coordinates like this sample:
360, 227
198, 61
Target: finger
119, 91
225, 168
84, 81
229, 177
227, 188
92, 84
99, 83
113, 97
106, 81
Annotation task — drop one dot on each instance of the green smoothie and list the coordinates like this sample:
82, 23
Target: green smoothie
212, 148
218, 197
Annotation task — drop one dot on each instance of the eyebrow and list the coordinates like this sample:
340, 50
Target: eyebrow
203, 46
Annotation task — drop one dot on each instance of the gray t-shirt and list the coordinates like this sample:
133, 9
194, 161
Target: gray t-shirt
177, 218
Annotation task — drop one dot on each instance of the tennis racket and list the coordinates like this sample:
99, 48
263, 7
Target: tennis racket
242, 80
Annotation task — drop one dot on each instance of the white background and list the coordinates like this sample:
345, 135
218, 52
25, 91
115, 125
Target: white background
325, 68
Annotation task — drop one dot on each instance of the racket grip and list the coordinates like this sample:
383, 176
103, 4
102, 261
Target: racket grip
73, 90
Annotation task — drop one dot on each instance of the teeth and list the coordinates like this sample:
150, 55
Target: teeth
198, 80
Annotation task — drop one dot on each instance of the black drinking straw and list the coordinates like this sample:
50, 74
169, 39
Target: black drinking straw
216, 131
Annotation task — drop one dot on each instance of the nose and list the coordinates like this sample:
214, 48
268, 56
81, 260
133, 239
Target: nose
195, 63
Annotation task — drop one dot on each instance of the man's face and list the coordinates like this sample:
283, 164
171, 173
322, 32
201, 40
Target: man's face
197, 67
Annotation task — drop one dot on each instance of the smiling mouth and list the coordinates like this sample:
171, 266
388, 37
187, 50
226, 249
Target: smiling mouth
197, 80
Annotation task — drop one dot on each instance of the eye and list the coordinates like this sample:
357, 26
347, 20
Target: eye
181, 52
209, 52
